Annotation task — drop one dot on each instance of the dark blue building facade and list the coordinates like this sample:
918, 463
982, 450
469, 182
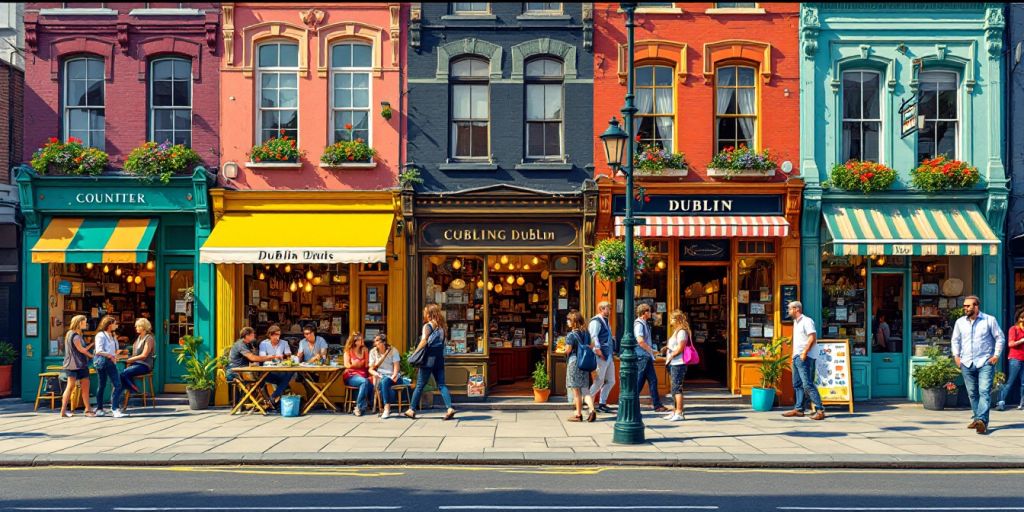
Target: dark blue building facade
500, 130
1014, 52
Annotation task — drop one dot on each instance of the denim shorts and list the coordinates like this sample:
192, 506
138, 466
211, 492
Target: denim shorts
677, 372
78, 374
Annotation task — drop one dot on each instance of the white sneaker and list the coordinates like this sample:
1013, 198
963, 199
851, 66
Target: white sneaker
1020, 407
385, 415
676, 417
118, 414
669, 416
100, 413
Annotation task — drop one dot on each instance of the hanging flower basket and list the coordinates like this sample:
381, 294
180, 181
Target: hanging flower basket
862, 176
651, 160
152, 161
940, 173
742, 162
608, 260
71, 158
276, 152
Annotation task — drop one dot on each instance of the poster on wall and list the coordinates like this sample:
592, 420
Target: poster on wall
832, 374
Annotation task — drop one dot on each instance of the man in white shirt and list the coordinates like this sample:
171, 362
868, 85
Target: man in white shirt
805, 355
977, 344
602, 340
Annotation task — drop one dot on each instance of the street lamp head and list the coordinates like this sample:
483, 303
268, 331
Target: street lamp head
614, 140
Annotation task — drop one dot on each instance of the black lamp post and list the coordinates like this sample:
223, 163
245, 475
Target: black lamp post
629, 425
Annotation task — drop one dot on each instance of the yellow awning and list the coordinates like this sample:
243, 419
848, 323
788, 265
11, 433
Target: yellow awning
279, 237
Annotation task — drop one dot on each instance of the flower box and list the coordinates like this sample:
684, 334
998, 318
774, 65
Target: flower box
273, 165
740, 173
862, 176
941, 173
743, 163
662, 175
350, 165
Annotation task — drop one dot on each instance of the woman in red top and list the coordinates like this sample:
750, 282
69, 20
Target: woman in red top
1015, 340
357, 373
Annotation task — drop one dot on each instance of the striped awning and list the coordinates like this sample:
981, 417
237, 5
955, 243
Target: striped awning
95, 240
717, 226
910, 230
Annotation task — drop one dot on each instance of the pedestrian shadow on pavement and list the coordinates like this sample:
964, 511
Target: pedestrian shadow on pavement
23, 434
899, 429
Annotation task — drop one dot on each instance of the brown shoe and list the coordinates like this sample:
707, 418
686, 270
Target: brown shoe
576, 419
974, 424
820, 415
661, 408
981, 428
795, 413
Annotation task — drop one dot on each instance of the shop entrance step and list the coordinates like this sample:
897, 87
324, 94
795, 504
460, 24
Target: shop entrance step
704, 398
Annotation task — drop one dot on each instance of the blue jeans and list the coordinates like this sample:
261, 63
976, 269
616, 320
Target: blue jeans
1015, 374
364, 385
387, 395
107, 370
978, 382
645, 373
423, 377
280, 382
127, 378
803, 383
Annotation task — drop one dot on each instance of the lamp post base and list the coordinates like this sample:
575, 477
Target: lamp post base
632, 433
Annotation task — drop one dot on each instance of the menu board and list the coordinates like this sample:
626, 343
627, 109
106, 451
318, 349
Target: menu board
832, 374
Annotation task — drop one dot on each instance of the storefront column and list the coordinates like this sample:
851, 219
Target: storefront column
33, 276
226, 313
990, 288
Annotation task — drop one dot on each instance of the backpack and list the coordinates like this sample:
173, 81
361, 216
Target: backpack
586, 359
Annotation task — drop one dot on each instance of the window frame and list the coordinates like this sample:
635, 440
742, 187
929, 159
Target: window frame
542, 81
543, 12
957, 143
332, 108
731, 8
66, 108
654, 102
755, 143
260, 70
153, 107
455, 81
456, 12
862, 120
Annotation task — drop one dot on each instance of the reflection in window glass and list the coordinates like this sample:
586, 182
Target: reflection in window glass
655, 119
470, 100
278, 79
543, 7
456, 284
544, 108
735, 107
862, 118
84, 102
171, 104
939, 105
350, 101
469, 7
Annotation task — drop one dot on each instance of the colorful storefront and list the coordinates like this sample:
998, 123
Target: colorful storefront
888, 270
113, 245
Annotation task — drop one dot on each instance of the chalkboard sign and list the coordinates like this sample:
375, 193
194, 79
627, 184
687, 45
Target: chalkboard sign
788, 292
832, 374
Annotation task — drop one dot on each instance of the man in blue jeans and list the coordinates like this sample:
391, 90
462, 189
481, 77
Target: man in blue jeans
645, 353
805, 356
976, 344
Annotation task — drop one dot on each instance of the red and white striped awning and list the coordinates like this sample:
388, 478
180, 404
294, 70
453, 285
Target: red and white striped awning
696, 226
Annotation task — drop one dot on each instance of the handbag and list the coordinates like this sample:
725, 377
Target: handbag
586, 359
419, 357
690, 354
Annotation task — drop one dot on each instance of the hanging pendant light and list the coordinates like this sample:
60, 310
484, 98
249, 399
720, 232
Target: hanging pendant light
490, 286
150, 265
117, 271
138, 279
498, 288
293, 287
89, 266
510, 279
504, 259
128, 279
263, 276
287, 268
526, 266
317, 280
535, 260
308, 288
497, 267
520, 280
457, 264
563, 291
106, 269
511, 266
480, 283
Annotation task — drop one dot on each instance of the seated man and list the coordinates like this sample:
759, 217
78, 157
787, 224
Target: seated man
386, 369
275, 348
241, 353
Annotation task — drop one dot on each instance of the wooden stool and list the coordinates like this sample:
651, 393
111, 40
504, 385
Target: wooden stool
348, 400
146, 391
53, 396
378, 403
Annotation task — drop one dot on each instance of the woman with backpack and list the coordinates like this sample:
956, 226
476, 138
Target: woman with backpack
576, 379
676, 355
435, 328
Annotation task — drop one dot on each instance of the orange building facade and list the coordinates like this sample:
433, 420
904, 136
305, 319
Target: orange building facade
725, 241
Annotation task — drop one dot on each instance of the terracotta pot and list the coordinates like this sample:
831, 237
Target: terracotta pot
5, 380
541, 395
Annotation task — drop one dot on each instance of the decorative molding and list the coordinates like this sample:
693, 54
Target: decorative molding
395, 32
122, 37
995, 23
753, 51
31, 37
810, 25
415, 20
210, 24
468, 46
253, 35
658, 49
942, 59
365, 33
67, 46
544, 46
588, 25
312, 18
228, 31
147, 50
860, 60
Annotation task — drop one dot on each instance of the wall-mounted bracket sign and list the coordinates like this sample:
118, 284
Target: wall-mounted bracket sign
500, 235
908, 117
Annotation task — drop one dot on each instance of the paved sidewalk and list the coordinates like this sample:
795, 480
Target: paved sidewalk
897, 435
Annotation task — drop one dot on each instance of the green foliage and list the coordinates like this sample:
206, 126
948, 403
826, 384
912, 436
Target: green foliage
70, 158
862, 176
8, 354
939, 370
608, 260
200, 369
348, 152
540, 376
940, 173
411, 176
152, 161
773, 362
276, 150
651, 159
412, 372
743, 158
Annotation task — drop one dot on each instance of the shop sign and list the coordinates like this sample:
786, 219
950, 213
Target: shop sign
499, 234
789, 294
64, 287
908, 117
704, 250
137, 199
703, 205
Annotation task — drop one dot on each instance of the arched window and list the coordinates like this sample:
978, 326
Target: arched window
544, 109
471, 111
655, 118
735, 107
84, 102
170, 101
940, 105
862, 115
351, 65
278, 79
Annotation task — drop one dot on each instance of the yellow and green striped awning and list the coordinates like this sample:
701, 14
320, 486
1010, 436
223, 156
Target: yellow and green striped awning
910, 230
95, 240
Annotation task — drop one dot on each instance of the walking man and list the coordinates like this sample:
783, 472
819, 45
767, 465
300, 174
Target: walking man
645, 354
601, 338
977, 343
805, 355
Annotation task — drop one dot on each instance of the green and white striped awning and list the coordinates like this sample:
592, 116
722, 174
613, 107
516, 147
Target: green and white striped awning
910, 230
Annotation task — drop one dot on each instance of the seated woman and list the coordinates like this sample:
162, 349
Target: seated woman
386, 369
356, 373
141, 361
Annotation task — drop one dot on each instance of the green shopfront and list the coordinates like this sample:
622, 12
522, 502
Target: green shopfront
888, 270
113, 245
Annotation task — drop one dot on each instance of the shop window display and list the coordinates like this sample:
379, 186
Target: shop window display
844, 301
456, 284
755, 313
938, 288
651, 288
519, 301
292, 296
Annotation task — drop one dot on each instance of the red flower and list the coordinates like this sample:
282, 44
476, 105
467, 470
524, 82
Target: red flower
348, 126
53, 140
282, 131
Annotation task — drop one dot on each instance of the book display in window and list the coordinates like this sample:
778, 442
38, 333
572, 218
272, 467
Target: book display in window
844, 301
455, 284
755, 305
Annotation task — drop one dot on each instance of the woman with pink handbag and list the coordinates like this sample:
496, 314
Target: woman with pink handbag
678, 353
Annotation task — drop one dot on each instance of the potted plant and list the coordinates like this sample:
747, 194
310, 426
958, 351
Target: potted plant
998, 381
409, 177
933, 376
200, 371
275, 153
71, 158
541, 383
352, 153
862, 176
940, 173
608, 259
733, 162
651, 160
152, 161
8, 355
773, 362
951, 394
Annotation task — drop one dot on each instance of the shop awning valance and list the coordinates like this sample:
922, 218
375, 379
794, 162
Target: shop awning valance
275, 237
95, 240
910, 229
710, 226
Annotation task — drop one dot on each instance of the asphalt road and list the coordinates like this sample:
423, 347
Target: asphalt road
409, 488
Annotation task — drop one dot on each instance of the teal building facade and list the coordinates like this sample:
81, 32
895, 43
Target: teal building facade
900, 83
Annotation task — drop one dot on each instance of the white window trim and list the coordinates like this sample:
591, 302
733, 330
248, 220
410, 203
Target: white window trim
957, 139
881, 114
78, 11
452, 121
561, 126
153, 108
65, 107
369, 109
737, 10
165, 12
258, 100
656, 10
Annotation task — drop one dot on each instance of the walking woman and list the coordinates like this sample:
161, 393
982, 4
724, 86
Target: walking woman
577, 380
141, 361
105, 362
674, 355
435, 328
76, 365
357, 374
1015, 340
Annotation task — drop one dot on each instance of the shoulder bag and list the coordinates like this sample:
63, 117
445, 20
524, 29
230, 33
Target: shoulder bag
690, 354
586, 359
419, 357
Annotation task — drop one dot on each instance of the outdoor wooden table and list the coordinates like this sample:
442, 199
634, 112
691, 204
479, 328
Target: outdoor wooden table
319, 389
